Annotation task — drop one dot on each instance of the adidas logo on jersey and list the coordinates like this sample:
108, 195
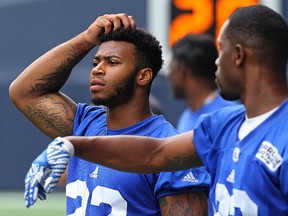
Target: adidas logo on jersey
190, 178
231, 176
94, 174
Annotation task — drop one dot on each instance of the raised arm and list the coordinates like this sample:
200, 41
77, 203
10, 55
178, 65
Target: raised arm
138, 154
36, 91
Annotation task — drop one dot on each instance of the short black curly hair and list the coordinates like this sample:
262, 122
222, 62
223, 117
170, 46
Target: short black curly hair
262, 29
198, 53
148, 48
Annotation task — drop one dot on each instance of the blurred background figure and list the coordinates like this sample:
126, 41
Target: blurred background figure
156, 105
191, 74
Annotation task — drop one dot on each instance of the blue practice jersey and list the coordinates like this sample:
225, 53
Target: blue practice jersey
188, 118
93, 189
248, 177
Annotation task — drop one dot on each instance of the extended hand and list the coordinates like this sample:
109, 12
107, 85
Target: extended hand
46, 170
33, 180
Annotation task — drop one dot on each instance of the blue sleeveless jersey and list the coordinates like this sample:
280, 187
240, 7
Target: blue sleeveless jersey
248, 177
93, 189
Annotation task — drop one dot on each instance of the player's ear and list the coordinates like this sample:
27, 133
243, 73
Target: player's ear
240, 54
144, 76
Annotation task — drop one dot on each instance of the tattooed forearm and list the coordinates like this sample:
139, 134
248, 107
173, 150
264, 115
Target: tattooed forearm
56, 78
182, 161
81, 50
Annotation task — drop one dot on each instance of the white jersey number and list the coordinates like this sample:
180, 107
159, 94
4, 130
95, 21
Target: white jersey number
99, 195
239, 199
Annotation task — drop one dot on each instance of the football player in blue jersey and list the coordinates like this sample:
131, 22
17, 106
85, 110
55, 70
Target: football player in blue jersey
192, 77
124, 66
244, 147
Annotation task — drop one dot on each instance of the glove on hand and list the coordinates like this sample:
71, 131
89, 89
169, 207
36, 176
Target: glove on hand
46, 170
33, 179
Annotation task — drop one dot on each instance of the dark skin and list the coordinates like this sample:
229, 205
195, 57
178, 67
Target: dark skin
36, 93
260, 91
178, 205
193, 89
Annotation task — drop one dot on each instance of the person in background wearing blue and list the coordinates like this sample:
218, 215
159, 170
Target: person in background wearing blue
123, 69
191, 74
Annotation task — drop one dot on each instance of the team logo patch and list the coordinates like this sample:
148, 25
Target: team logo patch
269, 155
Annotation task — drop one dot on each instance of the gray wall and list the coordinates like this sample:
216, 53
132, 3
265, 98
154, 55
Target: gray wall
30, 28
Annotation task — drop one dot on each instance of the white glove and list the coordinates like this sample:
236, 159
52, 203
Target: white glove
46, 170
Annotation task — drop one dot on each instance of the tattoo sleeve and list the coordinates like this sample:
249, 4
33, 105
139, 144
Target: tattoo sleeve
179, 161
53, 114
51, 109
192, 204
54, 80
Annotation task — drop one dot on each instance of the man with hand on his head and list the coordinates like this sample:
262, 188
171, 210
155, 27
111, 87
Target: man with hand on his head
124, 67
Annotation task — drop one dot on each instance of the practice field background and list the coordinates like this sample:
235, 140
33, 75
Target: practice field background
12, 204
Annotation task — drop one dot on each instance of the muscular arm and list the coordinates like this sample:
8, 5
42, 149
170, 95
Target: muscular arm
35, 92
192, 204
138, 154
147, 155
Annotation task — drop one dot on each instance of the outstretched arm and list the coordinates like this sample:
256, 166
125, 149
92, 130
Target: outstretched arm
138, 154
127, 153
35, 92
148, 155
